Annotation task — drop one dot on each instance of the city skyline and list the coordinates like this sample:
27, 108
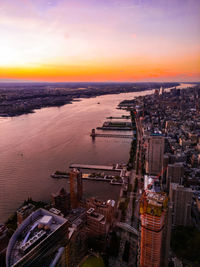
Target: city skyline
139, 210
122, 41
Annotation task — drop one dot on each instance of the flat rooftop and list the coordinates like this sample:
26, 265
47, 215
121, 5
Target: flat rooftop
25, 208
94, 215
33, 230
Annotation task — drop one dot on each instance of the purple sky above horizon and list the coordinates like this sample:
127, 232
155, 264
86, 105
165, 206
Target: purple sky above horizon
125, 40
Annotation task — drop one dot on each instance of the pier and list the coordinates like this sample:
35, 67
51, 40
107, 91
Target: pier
111, 181
114, 136
123, 117
94, 167
129, 136
96, 179
114, 128
59, 176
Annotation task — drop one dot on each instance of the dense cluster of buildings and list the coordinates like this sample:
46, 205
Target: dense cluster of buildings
60, 235
167, 192
170, 124
22, 98
168, 168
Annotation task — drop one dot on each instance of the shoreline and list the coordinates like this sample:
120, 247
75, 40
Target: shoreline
152, 89
27, 99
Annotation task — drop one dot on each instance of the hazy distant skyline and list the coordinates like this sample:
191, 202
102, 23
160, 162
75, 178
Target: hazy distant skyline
100, 40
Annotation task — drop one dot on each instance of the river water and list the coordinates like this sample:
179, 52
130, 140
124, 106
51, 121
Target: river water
33, 146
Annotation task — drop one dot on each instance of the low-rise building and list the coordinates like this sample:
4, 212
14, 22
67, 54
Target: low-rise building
3, 242
24, 212
61, 201
96, 223
106, 208
38, 241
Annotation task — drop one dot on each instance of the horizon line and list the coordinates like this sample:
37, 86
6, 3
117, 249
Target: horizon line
30, 81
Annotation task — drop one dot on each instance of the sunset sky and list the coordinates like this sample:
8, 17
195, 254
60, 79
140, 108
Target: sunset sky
100, 40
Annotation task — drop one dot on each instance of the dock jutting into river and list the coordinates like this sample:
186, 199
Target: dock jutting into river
94, 134
94, 167
114, 136
114, 128
119, 118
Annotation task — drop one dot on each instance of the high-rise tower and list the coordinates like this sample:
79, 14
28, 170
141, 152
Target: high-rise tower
75, 196
181, 198
79, 186
153, 216
155, 154
175, 173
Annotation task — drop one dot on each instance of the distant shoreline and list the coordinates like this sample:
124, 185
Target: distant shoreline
19, 99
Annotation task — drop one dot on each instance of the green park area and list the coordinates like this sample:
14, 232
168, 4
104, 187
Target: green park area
93, 261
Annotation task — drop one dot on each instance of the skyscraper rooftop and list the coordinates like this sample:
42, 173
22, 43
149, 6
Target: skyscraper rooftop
38, 235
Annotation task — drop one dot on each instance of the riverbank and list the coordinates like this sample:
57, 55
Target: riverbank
24, 98
33, 146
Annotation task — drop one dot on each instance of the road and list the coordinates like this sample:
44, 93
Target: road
133, 221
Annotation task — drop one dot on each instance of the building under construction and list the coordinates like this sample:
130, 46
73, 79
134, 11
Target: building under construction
153, 208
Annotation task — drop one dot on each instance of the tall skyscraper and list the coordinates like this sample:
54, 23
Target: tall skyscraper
181, 199
155, 154
75, 181
79, 186
166, 236
153, 208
